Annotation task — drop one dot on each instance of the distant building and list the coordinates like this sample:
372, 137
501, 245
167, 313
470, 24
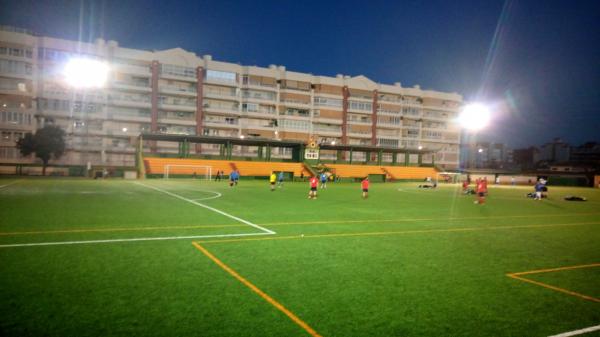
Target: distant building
588, 153
175, 91
526, 159
487, 155
555, 151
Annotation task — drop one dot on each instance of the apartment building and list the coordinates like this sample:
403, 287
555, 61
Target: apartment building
177, 92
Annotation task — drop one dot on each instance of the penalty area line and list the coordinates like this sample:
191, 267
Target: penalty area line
268, 231
578, 332
164, 238
6, 185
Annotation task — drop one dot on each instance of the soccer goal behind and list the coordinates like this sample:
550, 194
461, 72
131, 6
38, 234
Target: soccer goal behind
186, 171
448, 177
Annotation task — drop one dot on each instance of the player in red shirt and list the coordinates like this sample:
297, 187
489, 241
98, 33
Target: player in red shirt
314, 183
465, 186
365, 187
481, 189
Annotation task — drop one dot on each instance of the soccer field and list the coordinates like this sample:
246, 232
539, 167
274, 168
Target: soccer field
197, 258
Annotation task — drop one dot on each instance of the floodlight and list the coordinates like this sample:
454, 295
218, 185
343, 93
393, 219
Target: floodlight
474, 116
241, 136
333, 142
480, 150
420, 147
124, 129
86, 73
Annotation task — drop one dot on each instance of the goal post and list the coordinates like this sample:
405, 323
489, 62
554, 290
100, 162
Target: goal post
194, 171
448, 177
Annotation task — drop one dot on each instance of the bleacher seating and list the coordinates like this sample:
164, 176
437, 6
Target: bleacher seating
411, 172
256, 168
396, 172
246, 168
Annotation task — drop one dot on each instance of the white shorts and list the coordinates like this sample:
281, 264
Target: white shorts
538, 195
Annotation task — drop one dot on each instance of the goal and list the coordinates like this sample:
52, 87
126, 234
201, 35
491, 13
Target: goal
448, 177
194, 171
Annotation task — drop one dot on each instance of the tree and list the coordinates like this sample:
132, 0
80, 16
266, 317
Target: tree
48, 142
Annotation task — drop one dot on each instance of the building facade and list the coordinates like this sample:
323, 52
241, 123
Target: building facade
175, 91
487, 155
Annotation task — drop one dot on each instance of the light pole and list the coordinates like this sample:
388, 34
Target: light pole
473, 118
84, 74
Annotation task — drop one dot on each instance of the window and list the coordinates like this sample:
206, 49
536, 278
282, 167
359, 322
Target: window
265, 95
5, 136
322, 101
250, 107
221, 76
170, 69
15, 67
360, 106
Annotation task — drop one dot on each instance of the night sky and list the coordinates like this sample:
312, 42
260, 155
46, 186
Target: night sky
537, 63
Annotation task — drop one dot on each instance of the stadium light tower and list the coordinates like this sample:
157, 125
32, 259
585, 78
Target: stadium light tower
474, 117
85, 73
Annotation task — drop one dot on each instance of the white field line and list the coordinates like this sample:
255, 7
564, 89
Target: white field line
6, 185
217, 195
578, 332
62, 243
268, 231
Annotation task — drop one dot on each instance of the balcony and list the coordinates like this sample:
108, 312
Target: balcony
261, 113
220, 95
389, 112
259, 85
257, 98
133, 86
359, 134
175, 90
178, 106
220, 81
118, 101
221, 109
221, 124
132, 69
128, 116
296, 103
327, 131
360, 122
394, 100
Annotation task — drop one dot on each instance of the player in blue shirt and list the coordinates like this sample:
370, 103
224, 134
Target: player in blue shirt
323, 180
539, 188
280, 179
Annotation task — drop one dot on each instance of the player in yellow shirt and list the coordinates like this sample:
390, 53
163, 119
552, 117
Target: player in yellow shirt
272, 180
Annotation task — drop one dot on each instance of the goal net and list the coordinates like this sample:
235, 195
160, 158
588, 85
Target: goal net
448, 177
187, 171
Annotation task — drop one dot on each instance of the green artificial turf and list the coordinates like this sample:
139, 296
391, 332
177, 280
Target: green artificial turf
404, 262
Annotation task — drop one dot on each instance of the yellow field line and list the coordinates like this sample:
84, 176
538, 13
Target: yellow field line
119, 229
556, 269
419, 231
565, 291
261, 293
424, 219
123, 229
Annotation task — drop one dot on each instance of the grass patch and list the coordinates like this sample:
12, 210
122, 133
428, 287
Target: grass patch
404, 261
